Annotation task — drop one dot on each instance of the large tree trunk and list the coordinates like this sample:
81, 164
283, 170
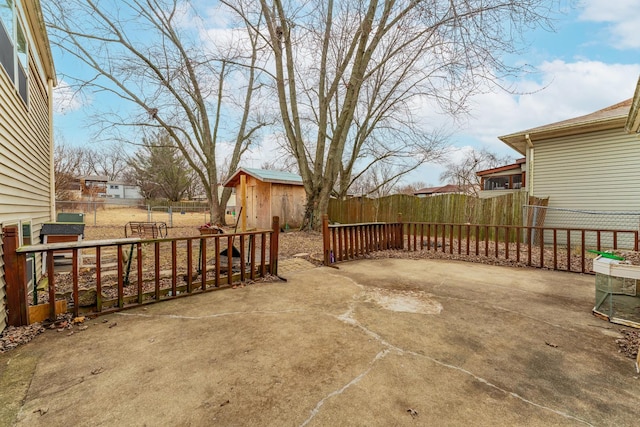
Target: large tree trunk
317, 205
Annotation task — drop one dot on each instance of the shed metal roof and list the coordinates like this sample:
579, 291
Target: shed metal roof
275, 177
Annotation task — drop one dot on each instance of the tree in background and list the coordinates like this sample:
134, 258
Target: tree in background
351, 77
67, 165
152, 54
159, 169
108, 160
462, 171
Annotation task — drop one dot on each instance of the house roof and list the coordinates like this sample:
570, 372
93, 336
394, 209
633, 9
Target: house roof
34, 14
101, 178
449, 188
608, 118
514, 166
271, 176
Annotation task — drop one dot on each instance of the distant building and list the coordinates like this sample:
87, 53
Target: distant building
503, 179
100, 186
445, 189
122, 190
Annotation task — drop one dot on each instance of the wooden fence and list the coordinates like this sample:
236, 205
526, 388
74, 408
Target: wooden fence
446, 208
519, 245
132, 272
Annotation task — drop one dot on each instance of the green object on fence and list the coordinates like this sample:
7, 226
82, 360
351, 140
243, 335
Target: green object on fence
607, 255
70, 217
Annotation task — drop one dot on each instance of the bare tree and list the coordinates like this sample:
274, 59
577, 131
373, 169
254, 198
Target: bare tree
150, 54
108, 160
350, 75
67, 163
462, 171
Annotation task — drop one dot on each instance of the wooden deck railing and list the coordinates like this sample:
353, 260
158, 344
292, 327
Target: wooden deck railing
542, 247
131, 272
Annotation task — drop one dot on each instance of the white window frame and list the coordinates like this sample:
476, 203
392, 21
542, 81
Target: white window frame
18, 23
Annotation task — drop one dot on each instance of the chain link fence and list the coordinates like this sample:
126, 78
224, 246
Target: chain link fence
120, 211
562, 218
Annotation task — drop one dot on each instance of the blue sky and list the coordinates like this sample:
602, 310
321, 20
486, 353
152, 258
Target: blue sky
590, 62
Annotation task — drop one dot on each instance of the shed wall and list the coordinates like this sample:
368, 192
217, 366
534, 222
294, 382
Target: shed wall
288, 202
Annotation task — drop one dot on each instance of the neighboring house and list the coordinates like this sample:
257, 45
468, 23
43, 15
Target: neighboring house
27, 78
268, 194
444, 189
122, 190
94, 185
587, 163
503, 180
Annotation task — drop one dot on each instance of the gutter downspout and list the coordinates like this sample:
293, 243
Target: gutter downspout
52, 179
530, 162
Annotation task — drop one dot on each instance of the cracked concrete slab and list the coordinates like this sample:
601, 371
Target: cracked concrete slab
377, 342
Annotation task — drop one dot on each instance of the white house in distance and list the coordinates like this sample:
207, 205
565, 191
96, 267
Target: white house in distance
27, 78
122, 190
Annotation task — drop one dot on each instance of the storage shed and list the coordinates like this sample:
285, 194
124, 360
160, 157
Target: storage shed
268, 193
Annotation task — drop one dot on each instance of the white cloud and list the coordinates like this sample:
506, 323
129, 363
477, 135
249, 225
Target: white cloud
622, 17
562, 91
66, 99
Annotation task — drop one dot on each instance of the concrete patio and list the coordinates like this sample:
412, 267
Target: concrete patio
375, 343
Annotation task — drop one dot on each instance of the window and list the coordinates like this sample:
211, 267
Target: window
26, 232
14, 47
113, 187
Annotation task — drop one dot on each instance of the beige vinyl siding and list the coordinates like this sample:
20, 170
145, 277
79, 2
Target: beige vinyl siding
595, 171
24, 159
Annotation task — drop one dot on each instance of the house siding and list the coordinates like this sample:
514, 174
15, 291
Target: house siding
589, 172
25, 179
594, 171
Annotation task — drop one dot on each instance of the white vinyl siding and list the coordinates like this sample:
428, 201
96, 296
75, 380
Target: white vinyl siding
24, 160
598, 171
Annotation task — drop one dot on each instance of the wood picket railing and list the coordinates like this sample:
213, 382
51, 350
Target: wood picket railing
542, 247
131, 272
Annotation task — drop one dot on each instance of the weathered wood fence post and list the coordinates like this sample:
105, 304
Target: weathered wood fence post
399, 240
273, 246
15, 275
326, 243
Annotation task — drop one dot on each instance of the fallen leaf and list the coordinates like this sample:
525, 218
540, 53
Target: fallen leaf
97, 371
70, 333
113, 324
550, 344
78, 320
226, 402
412, 412
82, 328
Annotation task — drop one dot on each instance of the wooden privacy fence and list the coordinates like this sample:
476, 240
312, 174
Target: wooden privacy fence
451, 208
566, 249
132, 272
